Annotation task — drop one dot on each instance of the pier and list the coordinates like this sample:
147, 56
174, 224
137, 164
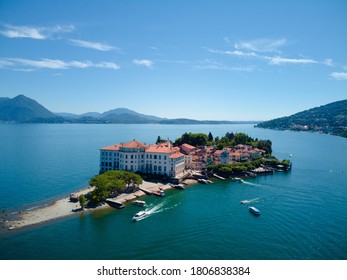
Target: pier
219, 177
115, 203
146, 191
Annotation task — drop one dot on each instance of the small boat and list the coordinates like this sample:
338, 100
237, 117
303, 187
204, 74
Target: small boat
254, 210
159, 193
203, 181
179, 186
139, 203
239, 180
139, 216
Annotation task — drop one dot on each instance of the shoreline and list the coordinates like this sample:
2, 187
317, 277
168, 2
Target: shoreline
64, 207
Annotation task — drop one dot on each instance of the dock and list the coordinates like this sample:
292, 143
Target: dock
115, 203
146, 191
219, 177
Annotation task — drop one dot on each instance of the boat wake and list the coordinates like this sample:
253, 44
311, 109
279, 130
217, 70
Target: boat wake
151, 210
252, 184
247, 201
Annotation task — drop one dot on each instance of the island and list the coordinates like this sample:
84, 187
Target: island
134, 169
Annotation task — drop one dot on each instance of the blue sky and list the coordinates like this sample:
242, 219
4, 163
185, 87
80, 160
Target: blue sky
217, 60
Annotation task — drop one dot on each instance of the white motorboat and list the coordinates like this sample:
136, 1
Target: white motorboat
254, 210
139, 216
239, 180
139, 203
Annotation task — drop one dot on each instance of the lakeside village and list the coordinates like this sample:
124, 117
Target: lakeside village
134, 169
192, 158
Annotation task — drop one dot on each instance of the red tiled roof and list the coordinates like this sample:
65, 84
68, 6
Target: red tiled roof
159, 148
187, 146
112, 148
176, 155
134, 144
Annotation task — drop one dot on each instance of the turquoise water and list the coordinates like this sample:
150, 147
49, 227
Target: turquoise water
302, 212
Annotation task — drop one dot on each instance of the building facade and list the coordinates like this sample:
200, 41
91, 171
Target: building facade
135, 156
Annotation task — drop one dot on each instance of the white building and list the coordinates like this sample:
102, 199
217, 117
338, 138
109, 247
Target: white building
136, 156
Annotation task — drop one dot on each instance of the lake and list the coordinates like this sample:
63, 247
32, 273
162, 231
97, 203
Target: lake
302, 212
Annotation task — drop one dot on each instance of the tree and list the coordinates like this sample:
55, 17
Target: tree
194, 139
158, 140
241, 138
83, 201
112, 182
210, 137
230, 135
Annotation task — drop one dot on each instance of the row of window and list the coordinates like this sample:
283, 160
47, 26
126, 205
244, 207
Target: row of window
120, 155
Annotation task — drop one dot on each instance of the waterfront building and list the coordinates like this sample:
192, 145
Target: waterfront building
134, 156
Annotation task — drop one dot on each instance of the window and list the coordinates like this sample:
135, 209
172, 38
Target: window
155, 156
159, 156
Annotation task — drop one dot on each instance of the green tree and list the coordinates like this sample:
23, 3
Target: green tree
210, 137
241, 138
195, 139
112, 183
83, 201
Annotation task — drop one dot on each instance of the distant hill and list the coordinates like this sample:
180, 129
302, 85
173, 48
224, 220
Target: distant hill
330, 119
190, 121
24, 109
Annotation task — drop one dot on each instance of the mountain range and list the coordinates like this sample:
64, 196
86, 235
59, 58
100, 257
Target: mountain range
330, 119
26, 110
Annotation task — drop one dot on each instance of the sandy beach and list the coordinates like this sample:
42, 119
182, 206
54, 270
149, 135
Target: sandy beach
64, 207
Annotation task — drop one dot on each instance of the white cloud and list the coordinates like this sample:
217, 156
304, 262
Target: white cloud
277, 60
21, 64
144, 62
261, 45
339, 76
210, 64
39, 33
328, 62
92, 45
234, 53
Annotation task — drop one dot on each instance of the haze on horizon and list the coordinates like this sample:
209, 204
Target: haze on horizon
224, 60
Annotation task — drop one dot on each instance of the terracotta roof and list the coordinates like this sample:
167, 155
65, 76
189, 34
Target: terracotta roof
134, 144
176, 155
112, 148
188, 146
164, 148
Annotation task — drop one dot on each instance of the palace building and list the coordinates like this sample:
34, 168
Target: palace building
135, 156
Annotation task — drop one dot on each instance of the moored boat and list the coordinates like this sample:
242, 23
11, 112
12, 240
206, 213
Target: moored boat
139, 203
254, 210
159, 193
179, 186
203, 181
